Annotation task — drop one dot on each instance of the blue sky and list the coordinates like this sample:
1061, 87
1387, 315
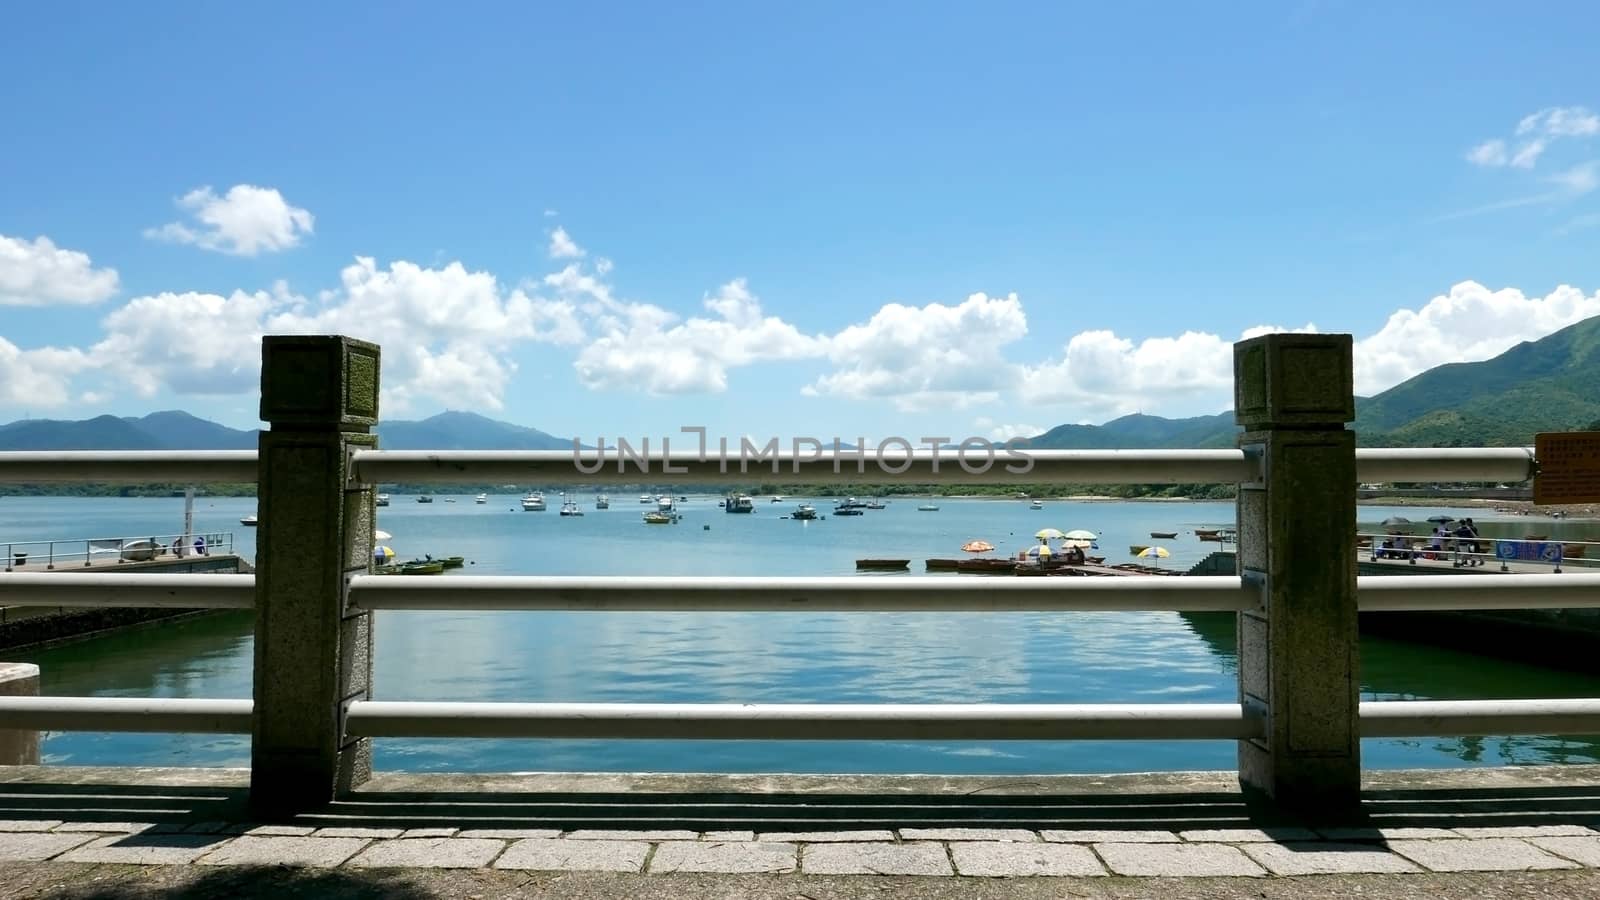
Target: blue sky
783, 214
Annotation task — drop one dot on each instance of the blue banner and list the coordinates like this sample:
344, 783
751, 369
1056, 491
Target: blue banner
1528, 551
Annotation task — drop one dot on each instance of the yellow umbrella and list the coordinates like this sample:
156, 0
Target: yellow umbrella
1049, 534
1155, 553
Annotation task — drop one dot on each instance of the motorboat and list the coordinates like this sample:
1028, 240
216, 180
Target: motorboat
777, 498
383, 499
1037, 504
739, 503
481, 498
249, 521
424, 498
602, 502
666, 504
804, 512
534, 502
646, 498
875, 503
569, 507
657, 517
928, 507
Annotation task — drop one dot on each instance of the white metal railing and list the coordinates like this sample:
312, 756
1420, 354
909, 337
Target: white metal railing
139, 548
128, 466
143, 714
113, 590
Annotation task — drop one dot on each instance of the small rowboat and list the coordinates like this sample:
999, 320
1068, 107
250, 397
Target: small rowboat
1167, 535
433, 567
941, 565
883, 563
454, 562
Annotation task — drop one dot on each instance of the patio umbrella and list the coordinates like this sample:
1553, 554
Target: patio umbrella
1156, 553
381, 535
382, 555
1049, 534
977, 546
1077, 542
1441, 520
1395, 520
1079, 534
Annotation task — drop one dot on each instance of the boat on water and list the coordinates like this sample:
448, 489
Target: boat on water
986, 565
666, 504
422, 567
481, 498
534, 502
883, 563
1137, 549
1164, 535
804, 512
852, 503
777, 498
646, 498
383, 499
454, 562
249, 521
848, 511
657, 517
1037, 504
1221, 535
739, 503
569, 507
941, 565
602, 502
424, 498
875, 503
928, 507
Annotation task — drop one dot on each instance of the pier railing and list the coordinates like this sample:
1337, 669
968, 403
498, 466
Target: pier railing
1298, 720
89, 552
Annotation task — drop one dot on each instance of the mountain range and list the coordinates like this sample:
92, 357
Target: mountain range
1552, 384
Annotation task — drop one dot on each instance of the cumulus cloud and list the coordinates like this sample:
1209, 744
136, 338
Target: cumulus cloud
644, 347
38, 378
1534, 135
1002, 432
38, 273
927, 357
245, 221
562, 246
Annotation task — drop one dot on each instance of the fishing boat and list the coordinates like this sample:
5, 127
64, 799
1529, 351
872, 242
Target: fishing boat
1037, 504
481, 498
1137, 549
656, 517
928, 507
248, 521
424, 498
848, 511
804, 512
646, 498
602, 502
739, 503
941, 565
883, 563
666, 504
534, 502
454, 562
569, 507
1164, 535
422, 567
383, 499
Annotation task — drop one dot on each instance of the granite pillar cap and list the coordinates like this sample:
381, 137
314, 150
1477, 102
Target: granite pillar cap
1294, 381
319, 382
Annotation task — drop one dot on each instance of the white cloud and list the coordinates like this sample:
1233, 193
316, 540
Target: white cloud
641, 348
1535, 133
40, 378
1578, 180
928, 357
1103, 375
1488, 153
562, 246
1002, 432
244, 222
188, 343
38, 273
1469, 323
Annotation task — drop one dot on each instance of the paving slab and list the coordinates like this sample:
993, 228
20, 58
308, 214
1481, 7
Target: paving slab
107, 827
605, 834
375, 834
429, 832
728, 836
575, 856
828, 837
33, 846
271, 830
1585, 850
1109, 836
1248, 835
430, 853
1008, 859
731, 857
876, 859
1525, 831
206, 828
28, 824
967, 834
311, 852
1384, 834
145, 849
510, 834
1479, 855
1326, 858
1177, 860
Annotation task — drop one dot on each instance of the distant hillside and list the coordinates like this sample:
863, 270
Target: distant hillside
465, 431
99, 433
1141, 432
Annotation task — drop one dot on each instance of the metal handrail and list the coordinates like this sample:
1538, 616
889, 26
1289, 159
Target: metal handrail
63, 551
128, 466
107, 590
134, 714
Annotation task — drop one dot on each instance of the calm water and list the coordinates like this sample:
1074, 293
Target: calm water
753, 657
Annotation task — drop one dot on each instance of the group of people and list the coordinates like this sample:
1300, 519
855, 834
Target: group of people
1464, 535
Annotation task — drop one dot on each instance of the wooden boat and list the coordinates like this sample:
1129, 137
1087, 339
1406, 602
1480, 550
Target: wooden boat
941, 565
1207, 534
986, 565
1223, 535
1573, 551
1137, 549
883, 563
1094, 560
454, 562
1164, 535
422, 567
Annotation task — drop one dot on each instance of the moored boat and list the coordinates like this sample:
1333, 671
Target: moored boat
928, 507
883, 563
422, 567
249, 521
534, 502
424, 498
739, 503
1166, 535
656, 517
804, 512
941, 565
481, 498
602, 502
383, 499
1137, 549
1037, 504
569, 507
986, 565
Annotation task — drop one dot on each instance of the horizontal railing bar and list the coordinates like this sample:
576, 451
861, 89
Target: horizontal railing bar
1508, 465
539, 467
128, 466
803, 722
1463, 718
910, 593
127, 590
1396, 593
141, 714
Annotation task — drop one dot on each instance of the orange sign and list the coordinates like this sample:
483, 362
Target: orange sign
1569, 467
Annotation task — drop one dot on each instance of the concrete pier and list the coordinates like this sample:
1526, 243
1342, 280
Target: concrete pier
19, 748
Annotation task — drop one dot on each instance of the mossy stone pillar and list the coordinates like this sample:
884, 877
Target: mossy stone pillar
1298, 651
319, 396
19, 747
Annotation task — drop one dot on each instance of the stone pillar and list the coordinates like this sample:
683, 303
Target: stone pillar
313, 654
1298, 651
17, 747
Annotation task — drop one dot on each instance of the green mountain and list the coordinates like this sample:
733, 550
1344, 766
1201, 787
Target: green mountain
99, 433
465, 431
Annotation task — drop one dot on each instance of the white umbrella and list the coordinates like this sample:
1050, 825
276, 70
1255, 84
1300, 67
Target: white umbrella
381, 535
